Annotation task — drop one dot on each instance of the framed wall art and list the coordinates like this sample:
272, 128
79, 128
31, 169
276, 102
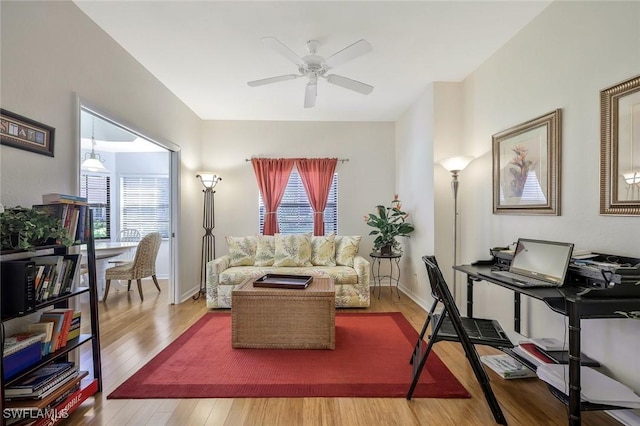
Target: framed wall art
526, 167
620, 149
23, 133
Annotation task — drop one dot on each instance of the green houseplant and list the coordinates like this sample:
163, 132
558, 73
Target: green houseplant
390, 222
22, 228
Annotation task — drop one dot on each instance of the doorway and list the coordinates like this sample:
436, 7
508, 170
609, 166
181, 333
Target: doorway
130, 180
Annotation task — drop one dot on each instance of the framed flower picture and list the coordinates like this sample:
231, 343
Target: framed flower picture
526, 172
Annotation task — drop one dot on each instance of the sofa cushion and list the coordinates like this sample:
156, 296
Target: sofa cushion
346, 249
323, 250
265, 250
242, 250
236, 275
293, 250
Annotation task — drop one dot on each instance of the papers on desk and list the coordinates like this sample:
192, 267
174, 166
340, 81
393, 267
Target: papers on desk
595, 386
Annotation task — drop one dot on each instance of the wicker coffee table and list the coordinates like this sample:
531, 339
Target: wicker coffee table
280, 318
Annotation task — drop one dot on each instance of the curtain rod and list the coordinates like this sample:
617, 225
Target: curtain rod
342, 160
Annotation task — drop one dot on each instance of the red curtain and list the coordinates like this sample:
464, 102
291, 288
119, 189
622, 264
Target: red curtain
316, 175
272, 175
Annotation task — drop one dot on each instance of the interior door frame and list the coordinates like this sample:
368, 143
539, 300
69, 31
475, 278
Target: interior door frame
174, 179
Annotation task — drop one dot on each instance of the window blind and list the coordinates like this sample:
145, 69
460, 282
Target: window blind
295, 214
144, 204
97, 189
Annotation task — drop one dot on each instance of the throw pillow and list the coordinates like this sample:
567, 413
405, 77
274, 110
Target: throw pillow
323, 250
242, 250
347, 249
265, 250
293, 250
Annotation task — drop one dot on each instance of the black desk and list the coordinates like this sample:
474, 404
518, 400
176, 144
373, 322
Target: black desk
574, 302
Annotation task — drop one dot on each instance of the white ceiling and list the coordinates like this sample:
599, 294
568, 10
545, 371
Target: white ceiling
206, 51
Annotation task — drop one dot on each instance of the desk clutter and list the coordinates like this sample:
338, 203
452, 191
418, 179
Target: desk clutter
586, 269
551, 366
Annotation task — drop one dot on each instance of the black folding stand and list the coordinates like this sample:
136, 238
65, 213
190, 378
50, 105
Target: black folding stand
441, 293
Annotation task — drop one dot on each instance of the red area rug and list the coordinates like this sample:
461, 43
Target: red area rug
371, 359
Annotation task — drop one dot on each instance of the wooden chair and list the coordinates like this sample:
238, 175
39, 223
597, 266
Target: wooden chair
449, 325
142, 266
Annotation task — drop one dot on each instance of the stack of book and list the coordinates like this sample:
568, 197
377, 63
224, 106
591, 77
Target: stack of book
546, 351
507, 367
595, 387
55, 275
21, 351
42, 382
71, 210
61, 322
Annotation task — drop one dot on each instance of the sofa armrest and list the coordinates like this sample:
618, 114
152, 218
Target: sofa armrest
363, 269
214, 268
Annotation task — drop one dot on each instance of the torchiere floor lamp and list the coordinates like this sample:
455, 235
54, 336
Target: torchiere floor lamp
209, 181
455, 165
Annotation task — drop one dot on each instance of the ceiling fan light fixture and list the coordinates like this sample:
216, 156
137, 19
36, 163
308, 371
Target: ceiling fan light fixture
313, 66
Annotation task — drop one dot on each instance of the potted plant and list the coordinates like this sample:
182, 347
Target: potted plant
390, 222
23, 228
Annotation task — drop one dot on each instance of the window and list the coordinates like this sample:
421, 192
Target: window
97, 189
295, 215
144, 204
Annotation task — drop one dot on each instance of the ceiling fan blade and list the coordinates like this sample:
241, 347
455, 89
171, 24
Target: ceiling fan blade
350, 52
310, 94
279, 47
350, 84
270, 80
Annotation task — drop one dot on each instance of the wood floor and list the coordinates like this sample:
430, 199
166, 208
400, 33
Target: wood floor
132, 332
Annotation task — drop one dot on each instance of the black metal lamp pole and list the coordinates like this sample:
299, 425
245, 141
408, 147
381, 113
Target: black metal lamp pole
455, 165
209, 180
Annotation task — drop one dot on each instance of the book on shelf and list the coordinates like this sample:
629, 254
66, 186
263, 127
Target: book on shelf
62, 322
70, 404
548, 343
40, 380
595, 387
57, 321
19, 341
507, 367
74, 328
60, 393
562, 357
531, 353
55, 275
50, 275
67, 316
72, 217
50, 388
54, 198
72, 273
47, 329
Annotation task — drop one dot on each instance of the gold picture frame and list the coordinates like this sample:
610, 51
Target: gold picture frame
526, 167
620, 149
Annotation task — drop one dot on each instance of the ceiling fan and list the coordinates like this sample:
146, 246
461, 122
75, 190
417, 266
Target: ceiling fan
313, 67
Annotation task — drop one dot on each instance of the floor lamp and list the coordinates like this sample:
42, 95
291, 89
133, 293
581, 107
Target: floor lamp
209, 181
455, 165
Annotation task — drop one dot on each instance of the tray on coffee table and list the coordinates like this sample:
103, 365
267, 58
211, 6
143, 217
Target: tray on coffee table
283, 281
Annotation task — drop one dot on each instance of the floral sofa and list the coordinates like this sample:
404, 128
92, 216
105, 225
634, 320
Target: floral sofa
301, 254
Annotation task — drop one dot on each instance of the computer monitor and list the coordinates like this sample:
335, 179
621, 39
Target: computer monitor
543, 260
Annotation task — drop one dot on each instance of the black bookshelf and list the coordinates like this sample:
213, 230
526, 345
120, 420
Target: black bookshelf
89, 387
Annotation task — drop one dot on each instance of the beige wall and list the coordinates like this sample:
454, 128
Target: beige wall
561, 60
52, 52
366, 180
